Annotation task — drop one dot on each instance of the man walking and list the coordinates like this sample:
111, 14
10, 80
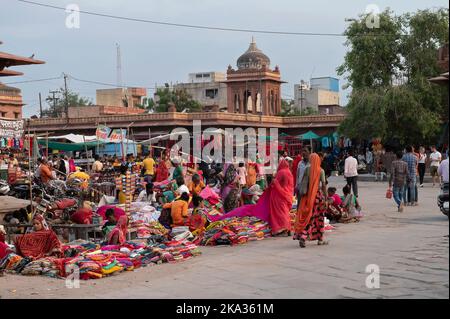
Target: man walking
306, 151
369, 160
398, 178
435, 158
351, 172
411, 161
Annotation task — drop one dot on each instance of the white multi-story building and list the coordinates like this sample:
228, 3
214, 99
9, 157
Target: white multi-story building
319, 92
207, 88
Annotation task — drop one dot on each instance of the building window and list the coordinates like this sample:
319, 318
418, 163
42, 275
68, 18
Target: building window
198, 76
206, 75
211, 93
16, 115
3, 114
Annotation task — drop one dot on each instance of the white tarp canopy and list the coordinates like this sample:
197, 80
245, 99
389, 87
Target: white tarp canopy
73, 138
9, 204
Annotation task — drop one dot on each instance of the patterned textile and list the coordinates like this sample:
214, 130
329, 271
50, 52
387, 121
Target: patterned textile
412, 162
38, 244
399, 173
316, 226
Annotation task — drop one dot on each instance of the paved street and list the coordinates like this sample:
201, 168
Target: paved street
410, 248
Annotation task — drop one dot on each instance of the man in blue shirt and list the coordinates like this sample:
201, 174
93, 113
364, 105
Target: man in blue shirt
412, 162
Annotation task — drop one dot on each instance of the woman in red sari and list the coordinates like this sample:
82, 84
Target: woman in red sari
281, 197
310, 219
162, 173
39, 243
274, 204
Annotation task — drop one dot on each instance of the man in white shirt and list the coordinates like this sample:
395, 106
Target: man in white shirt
351, 172
443, 171
147, 195
435, 158
182, 188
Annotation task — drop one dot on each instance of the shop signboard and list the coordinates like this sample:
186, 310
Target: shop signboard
102, 133
13, 129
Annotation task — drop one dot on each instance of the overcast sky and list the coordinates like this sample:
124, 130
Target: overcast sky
157, 54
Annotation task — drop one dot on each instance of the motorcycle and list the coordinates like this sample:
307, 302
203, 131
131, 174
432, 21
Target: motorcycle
4, 188
442, 199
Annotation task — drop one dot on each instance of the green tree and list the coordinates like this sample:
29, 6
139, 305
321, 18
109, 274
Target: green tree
374, 55
388, 69
164, 96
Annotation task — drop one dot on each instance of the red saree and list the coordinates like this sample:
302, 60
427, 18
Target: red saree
281, 197
162, 173
274, 205
38, 244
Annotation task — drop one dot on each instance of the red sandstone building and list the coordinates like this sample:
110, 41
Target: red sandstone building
10, 98
254, 88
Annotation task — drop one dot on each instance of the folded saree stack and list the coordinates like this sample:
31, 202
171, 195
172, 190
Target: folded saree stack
93, 261
234, 231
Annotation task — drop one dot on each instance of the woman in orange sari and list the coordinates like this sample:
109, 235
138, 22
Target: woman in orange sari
310, 219
251, 174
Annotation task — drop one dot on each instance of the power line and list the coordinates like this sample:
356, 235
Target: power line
36, 80
107, 84
192, 26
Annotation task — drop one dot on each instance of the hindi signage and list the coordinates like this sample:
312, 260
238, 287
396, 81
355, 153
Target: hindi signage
11, 128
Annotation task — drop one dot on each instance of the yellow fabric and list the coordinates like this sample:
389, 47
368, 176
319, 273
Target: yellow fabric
149, 164
80, 175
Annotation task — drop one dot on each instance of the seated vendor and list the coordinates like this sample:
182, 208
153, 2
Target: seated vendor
335, 198
334, 208
4, 248
148, 195
182, 188
118, 235
179, 210
110, 221
196, 186
40, 242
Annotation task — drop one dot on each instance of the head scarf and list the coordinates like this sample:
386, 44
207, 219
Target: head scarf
306, 206
230, 175
120, 229
42, 221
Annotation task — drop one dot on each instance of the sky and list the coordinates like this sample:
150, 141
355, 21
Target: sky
156, 54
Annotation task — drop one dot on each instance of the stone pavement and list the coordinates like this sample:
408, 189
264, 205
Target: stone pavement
411, 250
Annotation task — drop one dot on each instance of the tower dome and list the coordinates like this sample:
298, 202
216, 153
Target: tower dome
253, 58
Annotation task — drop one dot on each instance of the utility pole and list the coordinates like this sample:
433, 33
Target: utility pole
66, 97
54, 99
40, 105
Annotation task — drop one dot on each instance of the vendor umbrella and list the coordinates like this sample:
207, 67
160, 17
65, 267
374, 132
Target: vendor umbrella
310, 135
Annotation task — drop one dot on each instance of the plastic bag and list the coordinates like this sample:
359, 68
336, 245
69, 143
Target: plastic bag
389, 193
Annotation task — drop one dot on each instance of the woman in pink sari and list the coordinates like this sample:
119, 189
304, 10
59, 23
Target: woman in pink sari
118, 235
274, 205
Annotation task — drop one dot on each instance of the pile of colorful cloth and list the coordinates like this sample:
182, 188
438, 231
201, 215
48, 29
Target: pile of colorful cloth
145, 230
234, 231
94, 261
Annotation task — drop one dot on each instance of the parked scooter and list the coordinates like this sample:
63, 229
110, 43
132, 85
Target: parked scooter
442, 199
4, 188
